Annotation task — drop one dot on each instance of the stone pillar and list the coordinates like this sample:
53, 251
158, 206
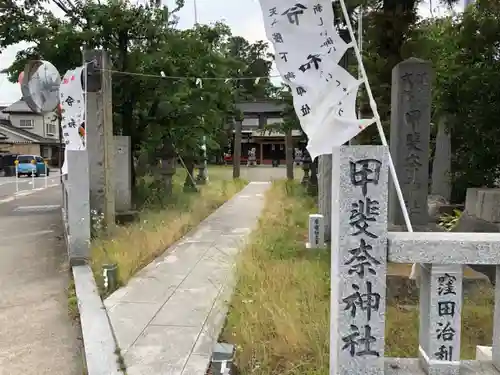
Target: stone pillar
78, 207
440, 318
495, 351
358, 260
99, 130
441, 166
95, 147
410, 137
123, 168
325, 191
325, 163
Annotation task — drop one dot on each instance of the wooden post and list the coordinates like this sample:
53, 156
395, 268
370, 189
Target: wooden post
289, 154
237, 149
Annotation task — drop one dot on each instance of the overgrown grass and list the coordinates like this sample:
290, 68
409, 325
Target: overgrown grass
73, 311
163, 221
279, 315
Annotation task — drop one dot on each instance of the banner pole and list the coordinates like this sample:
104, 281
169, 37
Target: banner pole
376, 115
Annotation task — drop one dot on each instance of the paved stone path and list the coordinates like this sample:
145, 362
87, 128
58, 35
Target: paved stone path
260, 173
168, 317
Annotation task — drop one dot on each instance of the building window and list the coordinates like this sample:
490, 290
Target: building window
46, 154
50, 128
26, 124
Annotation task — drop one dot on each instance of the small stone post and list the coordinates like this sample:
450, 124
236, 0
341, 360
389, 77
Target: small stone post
440, 318
316, 231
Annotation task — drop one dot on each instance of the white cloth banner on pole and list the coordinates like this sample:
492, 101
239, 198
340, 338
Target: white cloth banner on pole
380, 128
308, 50
72, 112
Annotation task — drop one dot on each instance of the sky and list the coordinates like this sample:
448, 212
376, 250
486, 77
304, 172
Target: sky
243, 16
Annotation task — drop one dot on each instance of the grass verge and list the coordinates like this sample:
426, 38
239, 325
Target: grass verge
279, 314
162, 222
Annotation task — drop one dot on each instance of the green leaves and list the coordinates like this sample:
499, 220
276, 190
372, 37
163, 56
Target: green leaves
466, 90
142, 40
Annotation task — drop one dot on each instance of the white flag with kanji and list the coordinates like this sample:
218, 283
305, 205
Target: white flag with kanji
307, 53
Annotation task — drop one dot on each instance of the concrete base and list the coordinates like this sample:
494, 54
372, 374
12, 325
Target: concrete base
411, 366
483, 353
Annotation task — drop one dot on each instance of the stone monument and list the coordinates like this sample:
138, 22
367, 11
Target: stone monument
410, 138
298, 157
358, 264
361, 247
252, 159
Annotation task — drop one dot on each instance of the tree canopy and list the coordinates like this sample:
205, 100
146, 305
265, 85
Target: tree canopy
144, 43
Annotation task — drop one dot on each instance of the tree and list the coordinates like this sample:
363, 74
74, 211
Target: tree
290, 123
465, 59
163, 117
472, 96
252, 60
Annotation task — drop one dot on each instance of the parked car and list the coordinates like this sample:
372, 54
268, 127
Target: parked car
7, 164
28, 165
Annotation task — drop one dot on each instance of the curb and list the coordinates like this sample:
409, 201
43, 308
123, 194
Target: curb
98, 339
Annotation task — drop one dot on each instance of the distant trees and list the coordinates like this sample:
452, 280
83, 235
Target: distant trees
156, 113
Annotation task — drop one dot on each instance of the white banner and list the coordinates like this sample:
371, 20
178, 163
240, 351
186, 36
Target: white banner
73, 112
308, 50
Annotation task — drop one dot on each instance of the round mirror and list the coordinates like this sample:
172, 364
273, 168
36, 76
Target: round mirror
40, 86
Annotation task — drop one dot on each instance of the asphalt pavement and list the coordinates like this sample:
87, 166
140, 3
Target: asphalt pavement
13, 186
37, 335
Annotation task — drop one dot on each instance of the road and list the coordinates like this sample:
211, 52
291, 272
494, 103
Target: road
25, 185
37, 335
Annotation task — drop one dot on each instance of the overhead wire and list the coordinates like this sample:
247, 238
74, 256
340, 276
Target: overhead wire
194, 78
